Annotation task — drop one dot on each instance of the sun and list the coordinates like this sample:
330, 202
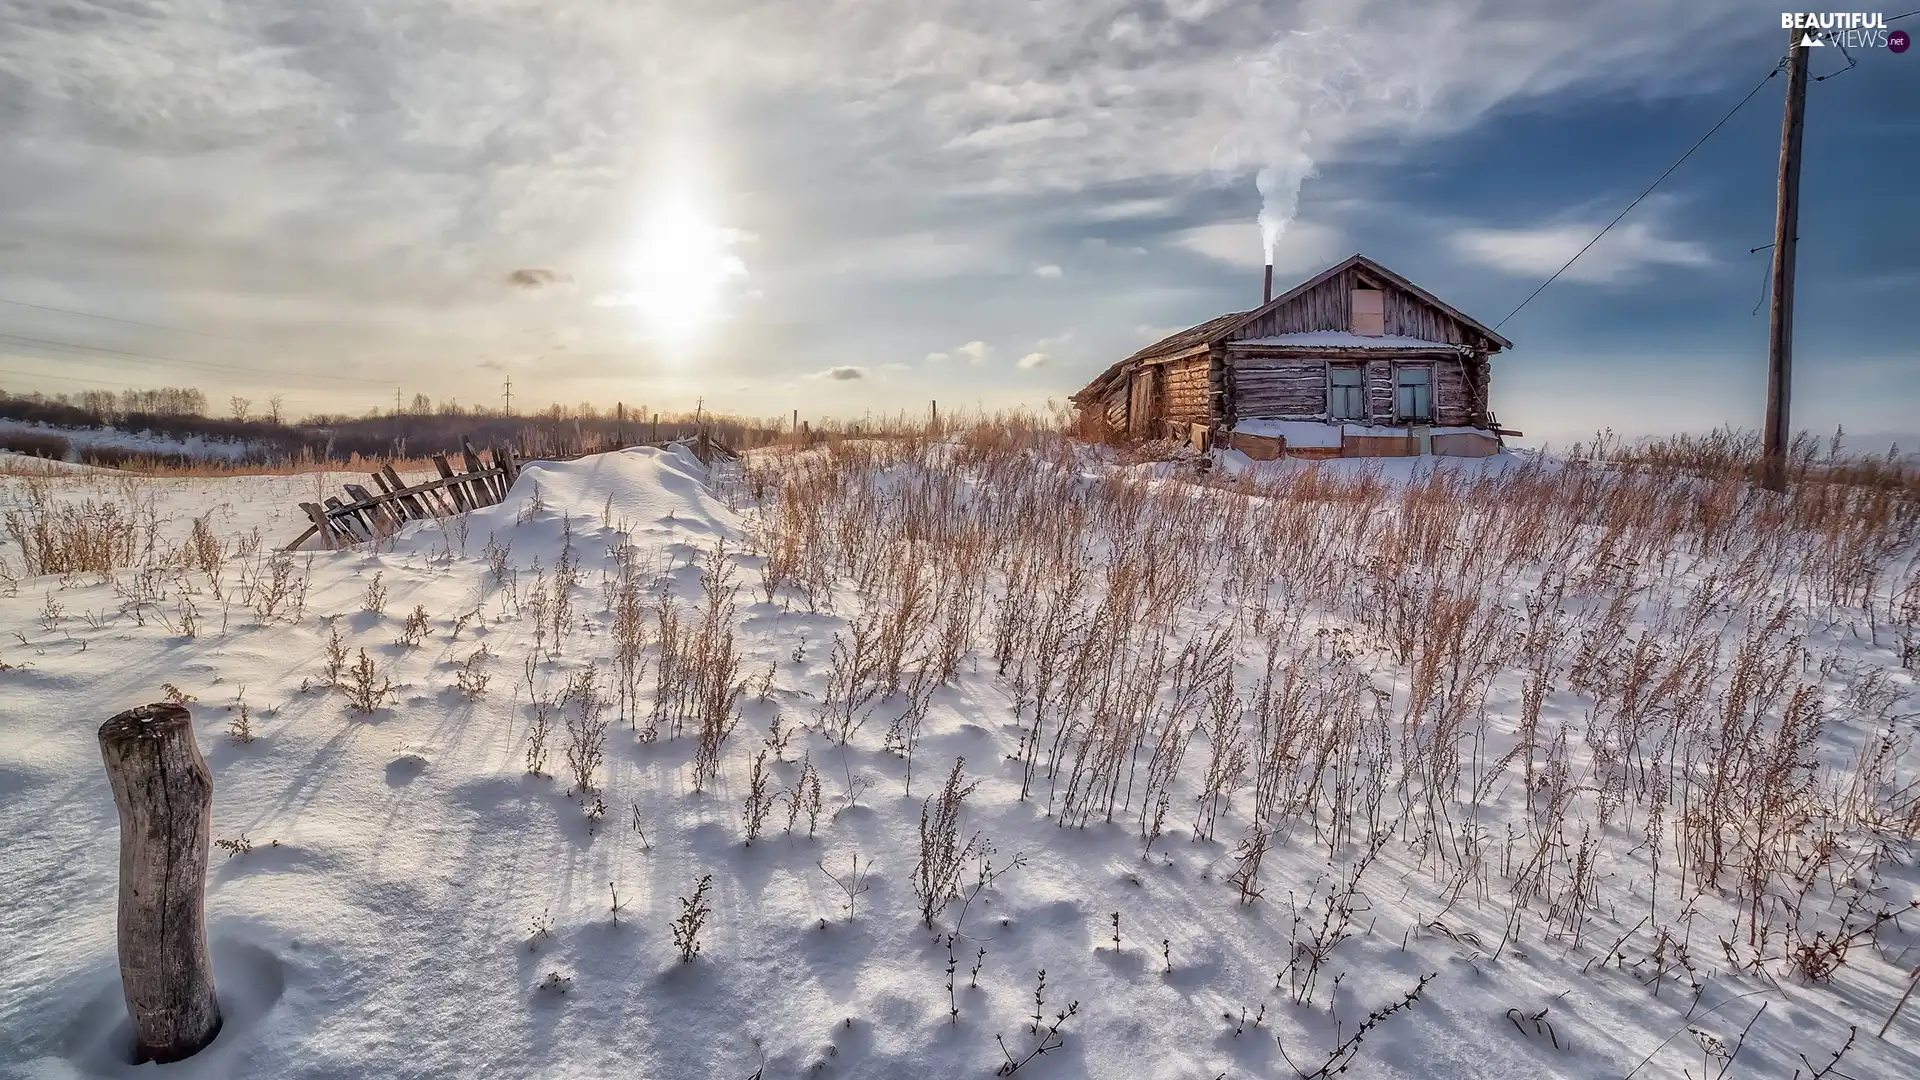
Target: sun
681, 267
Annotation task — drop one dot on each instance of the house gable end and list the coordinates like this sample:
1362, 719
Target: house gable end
1325, 303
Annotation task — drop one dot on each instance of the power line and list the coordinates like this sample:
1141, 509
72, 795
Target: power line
1642, 196
121, 383
131, 354
116, 318
62, 378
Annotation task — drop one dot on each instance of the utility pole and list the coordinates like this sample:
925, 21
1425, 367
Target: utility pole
1786, 224
396, 401
508, 411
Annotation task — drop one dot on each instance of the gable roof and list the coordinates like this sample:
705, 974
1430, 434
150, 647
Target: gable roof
1220, 329
1361, 262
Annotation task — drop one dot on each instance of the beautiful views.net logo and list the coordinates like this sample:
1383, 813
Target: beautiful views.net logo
1848, 29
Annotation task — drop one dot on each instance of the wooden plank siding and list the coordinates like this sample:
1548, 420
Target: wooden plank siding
1329, 306
1114, 410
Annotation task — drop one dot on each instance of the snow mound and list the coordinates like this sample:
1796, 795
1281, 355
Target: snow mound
643, 489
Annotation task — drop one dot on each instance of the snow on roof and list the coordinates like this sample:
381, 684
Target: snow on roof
1344, 340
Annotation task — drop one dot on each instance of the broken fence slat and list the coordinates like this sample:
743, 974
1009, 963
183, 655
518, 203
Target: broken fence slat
481, 490
509, 465
345, 520
369, 515
460, 502
394, 506
320, 527
379, 512
364, 508
418, 506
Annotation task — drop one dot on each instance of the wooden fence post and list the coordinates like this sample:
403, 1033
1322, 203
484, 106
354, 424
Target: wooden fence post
165, 796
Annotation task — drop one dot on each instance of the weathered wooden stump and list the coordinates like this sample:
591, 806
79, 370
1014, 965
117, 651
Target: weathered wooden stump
165, 796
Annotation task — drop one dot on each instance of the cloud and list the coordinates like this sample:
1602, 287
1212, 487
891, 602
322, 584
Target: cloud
938, 357
329, 179
1626, 253
841, 373
1050, 270
975, 352
538, 277
1033, 360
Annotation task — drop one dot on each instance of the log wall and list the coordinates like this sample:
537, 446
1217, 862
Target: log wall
1295, 387
1286, 389
1453, 404
1188, 387
1380, 391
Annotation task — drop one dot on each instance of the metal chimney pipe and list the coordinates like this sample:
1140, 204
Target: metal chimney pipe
1266, 292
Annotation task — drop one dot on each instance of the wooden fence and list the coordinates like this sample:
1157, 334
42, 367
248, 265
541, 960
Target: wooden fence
366, 515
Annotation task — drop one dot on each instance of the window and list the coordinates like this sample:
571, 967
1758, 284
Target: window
1346, 393
1413, 393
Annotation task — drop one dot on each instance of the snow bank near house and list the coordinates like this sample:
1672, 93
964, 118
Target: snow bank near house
1296, 432
1319, 433
1394, 470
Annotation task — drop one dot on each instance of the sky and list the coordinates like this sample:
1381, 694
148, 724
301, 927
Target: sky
856, 208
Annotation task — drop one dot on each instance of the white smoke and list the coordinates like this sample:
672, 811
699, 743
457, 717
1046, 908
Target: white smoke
1297, 97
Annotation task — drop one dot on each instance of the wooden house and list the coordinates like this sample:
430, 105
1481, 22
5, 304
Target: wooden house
1354, 361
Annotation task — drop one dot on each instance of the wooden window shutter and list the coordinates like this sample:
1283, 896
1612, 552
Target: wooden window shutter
1369, 312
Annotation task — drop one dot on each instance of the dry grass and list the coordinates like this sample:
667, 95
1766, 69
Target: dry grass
171, 467
1547, 701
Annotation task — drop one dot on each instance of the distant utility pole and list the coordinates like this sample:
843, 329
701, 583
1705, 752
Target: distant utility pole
396, 401
1786, 223
508, 410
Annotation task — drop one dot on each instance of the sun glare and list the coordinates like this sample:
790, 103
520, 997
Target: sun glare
681, 270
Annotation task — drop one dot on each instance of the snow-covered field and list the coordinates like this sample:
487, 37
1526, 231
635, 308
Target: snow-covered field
1600, 764
140, 442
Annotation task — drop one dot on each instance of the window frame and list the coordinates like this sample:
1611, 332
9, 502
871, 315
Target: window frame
1359, 389
1400, 412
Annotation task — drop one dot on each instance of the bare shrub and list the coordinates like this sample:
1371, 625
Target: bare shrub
240, 724
692, 920
585, 710
759, 799
62, 537
363, 692
851, 884
415, 629
336, 654
472, 677
943, 855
